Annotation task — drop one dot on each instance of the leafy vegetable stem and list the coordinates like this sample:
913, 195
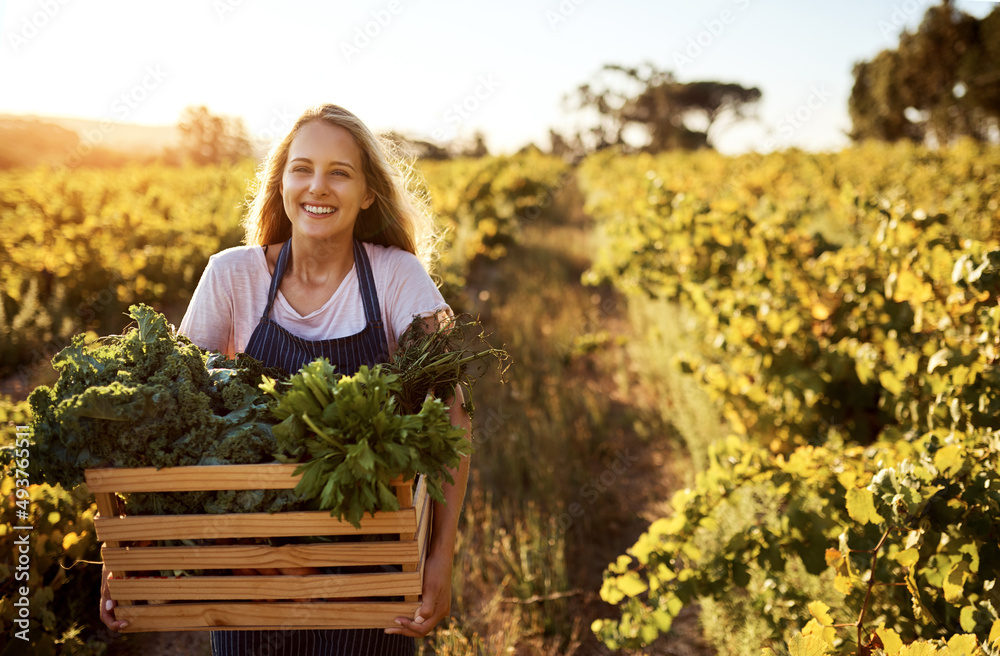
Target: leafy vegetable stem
322, 433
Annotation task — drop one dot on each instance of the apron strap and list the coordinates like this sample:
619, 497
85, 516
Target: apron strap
366, 280
279, 273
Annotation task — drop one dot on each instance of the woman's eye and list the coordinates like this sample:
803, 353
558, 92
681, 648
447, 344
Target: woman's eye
340, 172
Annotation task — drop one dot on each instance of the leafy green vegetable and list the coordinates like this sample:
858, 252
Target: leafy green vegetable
354, 440
148, 398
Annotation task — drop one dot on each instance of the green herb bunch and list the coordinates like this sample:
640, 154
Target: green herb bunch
437, 354
354, 441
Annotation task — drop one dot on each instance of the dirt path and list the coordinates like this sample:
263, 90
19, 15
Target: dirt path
662, 464
609, 459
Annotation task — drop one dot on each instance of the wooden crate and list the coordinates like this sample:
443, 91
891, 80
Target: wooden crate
198, 603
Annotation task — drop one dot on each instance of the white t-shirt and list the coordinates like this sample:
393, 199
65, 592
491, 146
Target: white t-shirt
232, 294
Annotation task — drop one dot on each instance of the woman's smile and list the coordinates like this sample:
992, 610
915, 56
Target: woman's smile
319, 210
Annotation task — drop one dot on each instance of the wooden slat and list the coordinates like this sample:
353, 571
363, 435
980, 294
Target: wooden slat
249, 525
260, 616
424, 534
197, 478
424, 507
404, 493
229, 588
182, 479
261, 556
420, 498
107, 506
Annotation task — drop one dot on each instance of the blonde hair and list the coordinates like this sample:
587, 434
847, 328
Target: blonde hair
399, 216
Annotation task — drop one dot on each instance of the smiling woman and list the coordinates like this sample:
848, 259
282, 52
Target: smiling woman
330, 270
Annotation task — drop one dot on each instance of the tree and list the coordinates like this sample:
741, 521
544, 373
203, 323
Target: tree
670, 114
210, 139
478, 147
940, 83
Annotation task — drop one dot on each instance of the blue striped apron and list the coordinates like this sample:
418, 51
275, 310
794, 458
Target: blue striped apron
276, 347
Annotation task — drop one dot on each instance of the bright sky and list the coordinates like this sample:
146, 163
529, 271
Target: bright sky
429, 68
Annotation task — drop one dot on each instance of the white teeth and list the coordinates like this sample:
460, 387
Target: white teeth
319, 210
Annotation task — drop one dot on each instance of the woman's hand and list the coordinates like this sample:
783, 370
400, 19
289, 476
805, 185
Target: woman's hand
436, 598
108, 604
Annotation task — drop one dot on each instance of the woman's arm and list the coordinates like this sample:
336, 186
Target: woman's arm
209, 320
436, 604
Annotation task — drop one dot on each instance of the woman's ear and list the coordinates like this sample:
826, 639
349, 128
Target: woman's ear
368, 199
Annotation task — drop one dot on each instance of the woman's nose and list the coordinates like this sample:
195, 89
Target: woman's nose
318, 186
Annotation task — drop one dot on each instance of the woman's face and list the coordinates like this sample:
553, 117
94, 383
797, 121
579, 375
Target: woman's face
323, 187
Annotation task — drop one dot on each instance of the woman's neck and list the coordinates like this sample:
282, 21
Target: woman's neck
319, 263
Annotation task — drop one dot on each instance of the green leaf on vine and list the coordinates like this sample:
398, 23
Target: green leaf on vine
954, 582
801, 645
963, 644
891, 641
861, 507
631, 584
890, 382
821, 612
908, 557
919, 649
948, 459
967, 619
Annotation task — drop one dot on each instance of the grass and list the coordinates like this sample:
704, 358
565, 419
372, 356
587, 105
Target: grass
665, 334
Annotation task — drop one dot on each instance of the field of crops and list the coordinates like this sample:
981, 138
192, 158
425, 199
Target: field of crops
807, 344
847, 309
79, 247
